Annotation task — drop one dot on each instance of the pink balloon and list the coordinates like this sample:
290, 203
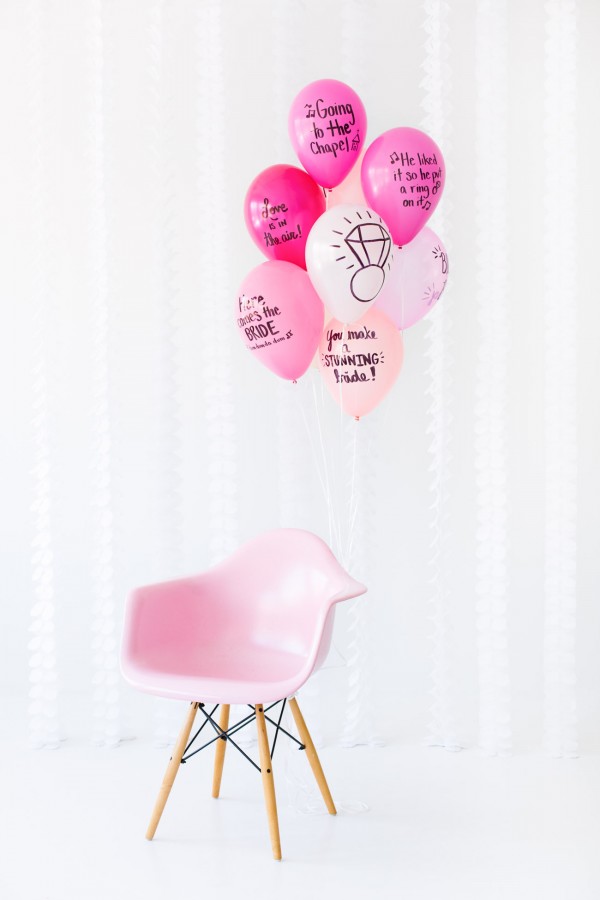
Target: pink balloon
416, 281
280, 317
350, 190
403, 176
327, 125
360, 362
281, 206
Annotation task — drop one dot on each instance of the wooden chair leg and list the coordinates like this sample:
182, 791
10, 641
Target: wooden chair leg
172, 769
220, 751
266, 771
313, 758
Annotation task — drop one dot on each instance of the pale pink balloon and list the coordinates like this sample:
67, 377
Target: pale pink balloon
327, 126
281, 206
403, 176
350, 190
280, 317
360, 362
416, 280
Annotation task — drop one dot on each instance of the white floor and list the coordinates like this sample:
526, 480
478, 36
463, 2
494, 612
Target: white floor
438, 825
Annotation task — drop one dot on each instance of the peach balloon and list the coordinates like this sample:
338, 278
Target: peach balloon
360, 362
350, 190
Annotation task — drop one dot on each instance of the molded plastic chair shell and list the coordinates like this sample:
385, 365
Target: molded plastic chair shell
251, 629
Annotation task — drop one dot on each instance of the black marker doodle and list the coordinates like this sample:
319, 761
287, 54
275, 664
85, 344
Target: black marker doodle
370, 245
353, 362
258, 321
438, 253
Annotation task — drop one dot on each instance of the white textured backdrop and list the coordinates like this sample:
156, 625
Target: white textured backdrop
141, 441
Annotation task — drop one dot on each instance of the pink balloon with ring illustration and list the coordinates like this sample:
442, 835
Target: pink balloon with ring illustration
416, 281
280, 317
281, 206
403, 176
360, 362
327, 125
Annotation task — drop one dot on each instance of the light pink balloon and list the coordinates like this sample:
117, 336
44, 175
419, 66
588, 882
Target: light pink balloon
327, 126
416, 281
360, 362
403, 176
350, 190
281, 206
280, 317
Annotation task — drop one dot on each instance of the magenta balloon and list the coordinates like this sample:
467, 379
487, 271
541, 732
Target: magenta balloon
280, 317
403, 176
281, 206
327, 125
416, 281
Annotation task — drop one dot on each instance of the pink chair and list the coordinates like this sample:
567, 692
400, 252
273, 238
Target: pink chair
248, 631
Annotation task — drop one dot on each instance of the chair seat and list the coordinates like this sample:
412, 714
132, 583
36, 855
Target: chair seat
220, 674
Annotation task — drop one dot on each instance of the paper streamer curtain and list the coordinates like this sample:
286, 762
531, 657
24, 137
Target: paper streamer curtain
121, 258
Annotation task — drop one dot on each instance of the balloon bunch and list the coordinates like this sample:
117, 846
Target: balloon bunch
346, 242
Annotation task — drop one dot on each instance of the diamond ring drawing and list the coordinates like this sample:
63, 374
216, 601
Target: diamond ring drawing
370, 244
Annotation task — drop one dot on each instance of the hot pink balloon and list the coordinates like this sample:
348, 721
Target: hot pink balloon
350, 190
403, 176
416, 280
281, 206
280, 317
360, 362
327, 125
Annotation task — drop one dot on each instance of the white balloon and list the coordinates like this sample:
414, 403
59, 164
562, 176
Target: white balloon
348, 258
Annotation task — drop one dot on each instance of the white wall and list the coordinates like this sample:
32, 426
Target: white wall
131, 131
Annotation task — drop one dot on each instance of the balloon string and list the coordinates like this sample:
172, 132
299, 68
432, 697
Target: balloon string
312, 447
322, 472
330, 467
353, 506
334, 527
340, 455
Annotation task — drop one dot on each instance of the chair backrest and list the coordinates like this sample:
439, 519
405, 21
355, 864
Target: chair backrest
276, 591
280, 586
